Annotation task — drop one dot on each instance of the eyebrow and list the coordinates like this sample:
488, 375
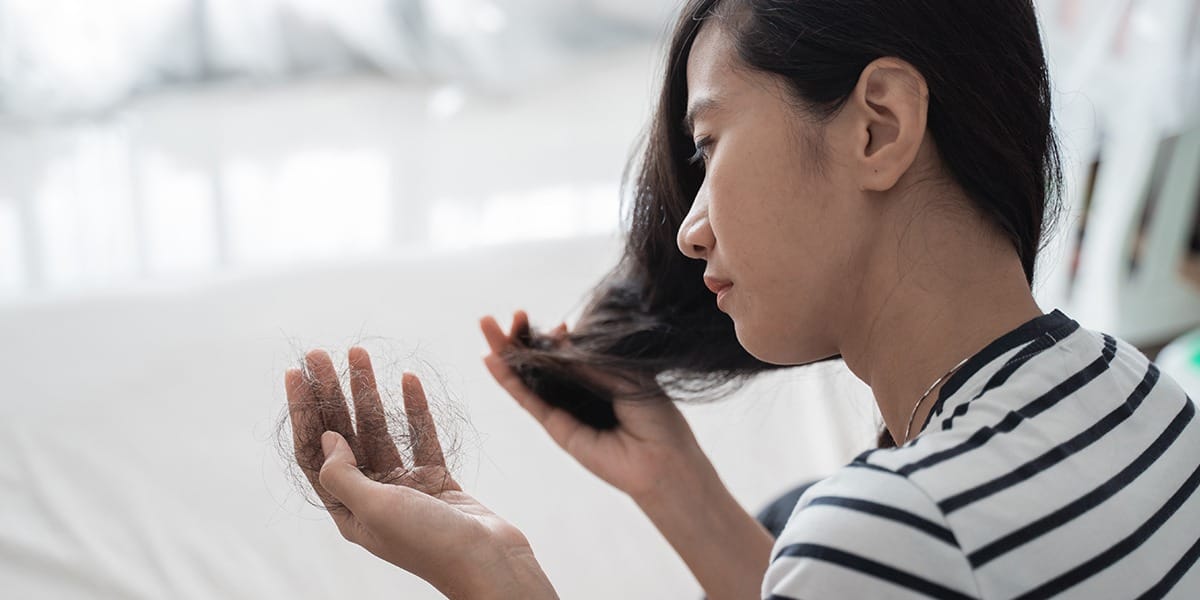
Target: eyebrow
697, 109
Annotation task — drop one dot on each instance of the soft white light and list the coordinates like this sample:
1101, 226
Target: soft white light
312, 204
465, 17
490, 18
554, 212
12, 267
446, 102
85, 213
180, 216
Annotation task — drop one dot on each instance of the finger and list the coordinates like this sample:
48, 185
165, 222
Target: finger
512, 383
306, 431
560, 424
379, 451
559, 331
519, 332
427, 450
335, 415
496, 338
342, 479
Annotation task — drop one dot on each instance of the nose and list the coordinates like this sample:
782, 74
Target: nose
696, 238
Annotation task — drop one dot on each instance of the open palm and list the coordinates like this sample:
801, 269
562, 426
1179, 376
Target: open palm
416, 517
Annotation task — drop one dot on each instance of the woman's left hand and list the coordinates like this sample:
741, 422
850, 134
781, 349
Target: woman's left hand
421, 520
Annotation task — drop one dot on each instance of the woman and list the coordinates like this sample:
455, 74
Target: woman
856, 179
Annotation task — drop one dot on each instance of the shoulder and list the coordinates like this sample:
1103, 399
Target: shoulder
867, 531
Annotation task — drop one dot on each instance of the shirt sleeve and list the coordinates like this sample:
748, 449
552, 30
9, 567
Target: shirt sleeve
867, 532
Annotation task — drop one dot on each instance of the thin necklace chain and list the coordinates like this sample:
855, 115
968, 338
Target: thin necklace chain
923, 396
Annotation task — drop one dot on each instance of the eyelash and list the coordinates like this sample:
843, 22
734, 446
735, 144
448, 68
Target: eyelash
700, 154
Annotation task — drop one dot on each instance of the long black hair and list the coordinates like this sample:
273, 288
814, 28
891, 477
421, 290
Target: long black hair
652, 322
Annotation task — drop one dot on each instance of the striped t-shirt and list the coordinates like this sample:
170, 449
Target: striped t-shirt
1057, 462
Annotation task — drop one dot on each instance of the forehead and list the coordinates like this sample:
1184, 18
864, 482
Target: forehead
710, 62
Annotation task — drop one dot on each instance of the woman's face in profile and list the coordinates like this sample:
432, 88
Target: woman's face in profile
789, 233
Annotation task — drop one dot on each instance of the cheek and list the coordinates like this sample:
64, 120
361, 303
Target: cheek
769, 236
745, 210
783, 264
776, 225
782, 238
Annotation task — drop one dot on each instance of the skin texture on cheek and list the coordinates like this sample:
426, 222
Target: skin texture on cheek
779, 234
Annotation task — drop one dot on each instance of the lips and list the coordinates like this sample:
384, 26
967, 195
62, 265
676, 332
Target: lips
716, 284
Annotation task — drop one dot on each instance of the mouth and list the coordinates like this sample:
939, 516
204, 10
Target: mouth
718, 286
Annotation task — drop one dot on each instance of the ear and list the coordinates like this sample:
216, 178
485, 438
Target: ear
890, 102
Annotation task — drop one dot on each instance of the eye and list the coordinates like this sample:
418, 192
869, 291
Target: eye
701, 151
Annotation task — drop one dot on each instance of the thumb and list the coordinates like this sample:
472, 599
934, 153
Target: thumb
340, 475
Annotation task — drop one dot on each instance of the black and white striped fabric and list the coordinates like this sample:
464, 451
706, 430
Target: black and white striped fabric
1057, 462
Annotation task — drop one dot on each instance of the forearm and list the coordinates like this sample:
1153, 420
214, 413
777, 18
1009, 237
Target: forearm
724, 546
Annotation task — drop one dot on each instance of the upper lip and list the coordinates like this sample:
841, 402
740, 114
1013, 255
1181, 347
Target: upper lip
716, 284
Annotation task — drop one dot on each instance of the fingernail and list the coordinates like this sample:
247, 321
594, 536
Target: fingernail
328, 442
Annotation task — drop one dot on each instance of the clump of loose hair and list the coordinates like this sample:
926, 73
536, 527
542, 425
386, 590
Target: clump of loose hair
390, 423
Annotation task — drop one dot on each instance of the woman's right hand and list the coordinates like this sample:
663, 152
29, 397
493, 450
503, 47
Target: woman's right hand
651, 444
653, 456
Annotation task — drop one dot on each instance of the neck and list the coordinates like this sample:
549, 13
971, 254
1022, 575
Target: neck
956, 291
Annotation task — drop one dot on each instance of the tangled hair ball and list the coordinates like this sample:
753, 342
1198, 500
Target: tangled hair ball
366, 426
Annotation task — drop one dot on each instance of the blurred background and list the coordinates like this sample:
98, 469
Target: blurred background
195, 192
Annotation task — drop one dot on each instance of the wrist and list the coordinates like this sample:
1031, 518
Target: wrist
509, 573
685, 475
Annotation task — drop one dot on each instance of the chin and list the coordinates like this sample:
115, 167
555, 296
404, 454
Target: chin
764, 352
777, 351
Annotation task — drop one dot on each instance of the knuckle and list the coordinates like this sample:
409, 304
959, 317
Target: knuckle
327, 476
